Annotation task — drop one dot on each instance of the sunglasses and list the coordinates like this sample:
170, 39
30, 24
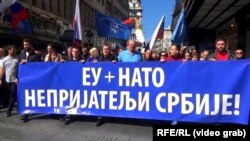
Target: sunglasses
239, 53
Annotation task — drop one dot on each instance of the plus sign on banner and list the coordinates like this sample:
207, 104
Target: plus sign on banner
109, 76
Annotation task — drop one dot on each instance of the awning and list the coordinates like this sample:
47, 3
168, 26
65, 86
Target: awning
67, 36
212, 12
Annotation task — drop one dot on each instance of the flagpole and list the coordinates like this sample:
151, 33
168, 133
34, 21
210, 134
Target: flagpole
77, 38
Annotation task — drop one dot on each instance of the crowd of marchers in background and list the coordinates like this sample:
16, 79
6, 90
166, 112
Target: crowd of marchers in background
185, 53
10, 59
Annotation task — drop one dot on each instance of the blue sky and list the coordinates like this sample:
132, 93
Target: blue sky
152, 13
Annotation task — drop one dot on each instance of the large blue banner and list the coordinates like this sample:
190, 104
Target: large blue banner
208, 92
108, 26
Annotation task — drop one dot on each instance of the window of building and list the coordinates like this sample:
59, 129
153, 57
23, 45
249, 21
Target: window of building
43, 5
99, 1
109, 6
33, 2
58, 7
116, 12
50, 5
139, 13
85, 15
133, 1
64, 10
102, 2
92, 19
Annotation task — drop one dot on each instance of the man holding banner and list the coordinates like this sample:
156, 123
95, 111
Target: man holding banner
28, 55
105, 57
76, 57
221, 52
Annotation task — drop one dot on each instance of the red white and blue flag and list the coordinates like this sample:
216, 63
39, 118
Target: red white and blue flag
77, 38
158, 33
17, 15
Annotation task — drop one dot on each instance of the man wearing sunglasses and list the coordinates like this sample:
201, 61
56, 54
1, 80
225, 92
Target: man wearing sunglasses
239, 54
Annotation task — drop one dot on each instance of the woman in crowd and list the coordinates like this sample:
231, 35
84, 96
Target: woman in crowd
53, 55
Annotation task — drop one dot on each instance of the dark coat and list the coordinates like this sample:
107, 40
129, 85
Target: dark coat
33, 57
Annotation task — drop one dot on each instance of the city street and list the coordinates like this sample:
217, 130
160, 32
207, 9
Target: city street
50, 128
152, 69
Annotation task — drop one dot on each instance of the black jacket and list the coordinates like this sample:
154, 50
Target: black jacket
33, 57
109, 58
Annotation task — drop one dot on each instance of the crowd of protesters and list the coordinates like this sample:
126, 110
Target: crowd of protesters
9, 61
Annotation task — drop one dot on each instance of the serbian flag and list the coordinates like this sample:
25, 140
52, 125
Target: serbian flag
77, 38
158, 33
19, 18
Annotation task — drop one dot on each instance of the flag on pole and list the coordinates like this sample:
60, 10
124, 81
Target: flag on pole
180, 31
110, 27
18, 16
77, 38
129, 21
158, 33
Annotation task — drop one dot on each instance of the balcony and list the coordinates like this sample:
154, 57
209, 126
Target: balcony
45, 26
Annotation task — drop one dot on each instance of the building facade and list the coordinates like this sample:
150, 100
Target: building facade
165, 43
51, 18
167, 38
208, 20
135, 11
135, 8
